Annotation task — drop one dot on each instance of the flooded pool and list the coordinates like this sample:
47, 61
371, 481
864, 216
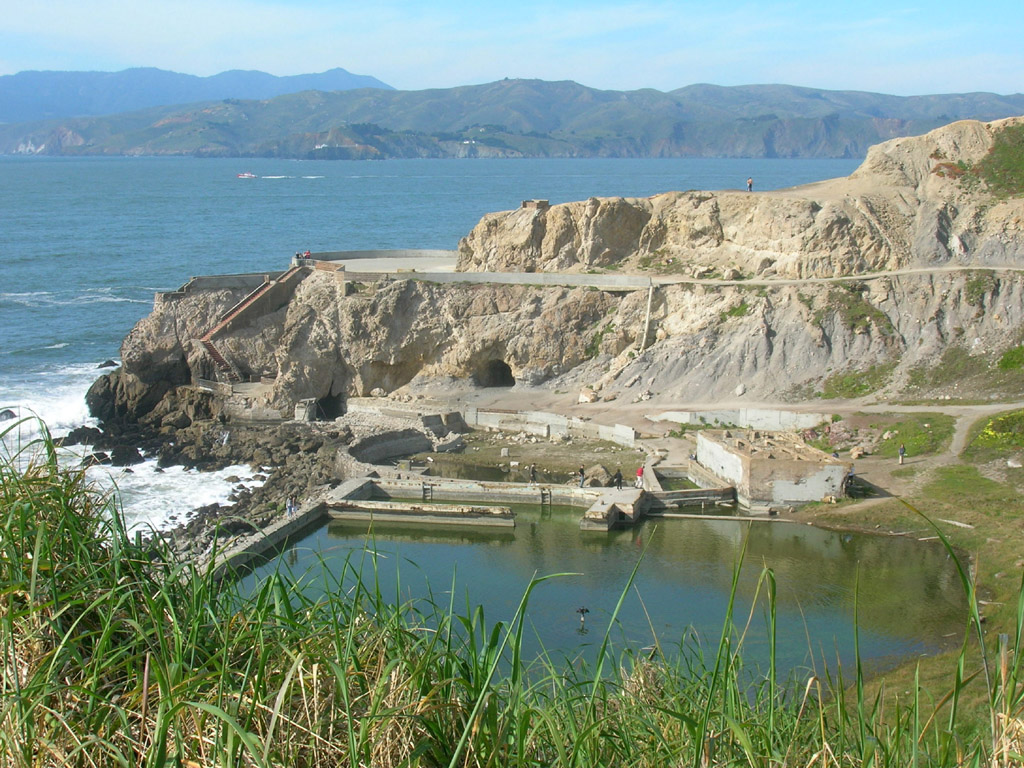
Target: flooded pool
910, 601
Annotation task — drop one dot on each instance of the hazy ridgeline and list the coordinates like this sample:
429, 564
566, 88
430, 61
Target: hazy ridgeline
114, 656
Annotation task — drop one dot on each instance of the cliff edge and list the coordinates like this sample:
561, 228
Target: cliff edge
906, 207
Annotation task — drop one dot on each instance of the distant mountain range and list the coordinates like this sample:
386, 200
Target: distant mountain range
515, 118
42, 95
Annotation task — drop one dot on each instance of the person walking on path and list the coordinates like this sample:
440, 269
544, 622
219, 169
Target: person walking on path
582, 476
903, 452
617, 479
750, 184
533, 474
640, 477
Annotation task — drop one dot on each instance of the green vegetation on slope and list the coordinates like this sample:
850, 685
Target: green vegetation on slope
1002, 169
850, 384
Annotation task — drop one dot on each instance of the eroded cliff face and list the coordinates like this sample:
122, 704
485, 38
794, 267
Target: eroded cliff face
899, 210
950, 260
327, 345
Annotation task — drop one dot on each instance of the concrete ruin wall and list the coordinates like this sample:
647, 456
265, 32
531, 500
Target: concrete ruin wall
762, 480
548, 425
749, 418
783, 481
723, 462
386, 445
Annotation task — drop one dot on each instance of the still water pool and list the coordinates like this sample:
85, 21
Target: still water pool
908, 600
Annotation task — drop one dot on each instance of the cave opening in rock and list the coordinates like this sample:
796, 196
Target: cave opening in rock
330, 407
495, 373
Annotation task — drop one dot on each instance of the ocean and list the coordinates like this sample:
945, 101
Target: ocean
85, 243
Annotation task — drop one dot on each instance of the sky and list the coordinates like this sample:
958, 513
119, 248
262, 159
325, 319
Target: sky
886, 47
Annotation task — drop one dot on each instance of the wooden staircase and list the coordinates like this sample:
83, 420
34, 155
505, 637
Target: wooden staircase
227, 370
223, 365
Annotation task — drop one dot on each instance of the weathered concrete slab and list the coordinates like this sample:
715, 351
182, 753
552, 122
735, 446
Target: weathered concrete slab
418, 512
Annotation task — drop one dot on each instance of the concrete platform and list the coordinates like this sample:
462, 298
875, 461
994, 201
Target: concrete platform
413, 512
614, 507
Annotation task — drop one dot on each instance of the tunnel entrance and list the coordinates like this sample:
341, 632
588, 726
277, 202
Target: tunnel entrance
330, 407
495, 373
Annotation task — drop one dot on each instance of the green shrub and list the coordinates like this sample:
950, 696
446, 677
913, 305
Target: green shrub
857, 383
854, 311
1004, 431
1012, 359
739, 310
979, 283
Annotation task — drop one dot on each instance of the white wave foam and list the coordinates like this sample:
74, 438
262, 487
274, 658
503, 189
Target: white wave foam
163, 499
58, 345
25, 295
277, 177
94, 298
313, 177
56, 396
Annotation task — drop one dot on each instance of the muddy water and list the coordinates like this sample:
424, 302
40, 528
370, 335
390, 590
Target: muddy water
908, 599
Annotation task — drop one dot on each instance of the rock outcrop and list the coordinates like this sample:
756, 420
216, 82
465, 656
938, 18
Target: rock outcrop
899, 210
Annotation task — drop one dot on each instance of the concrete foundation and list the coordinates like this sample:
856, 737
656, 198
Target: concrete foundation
771, 468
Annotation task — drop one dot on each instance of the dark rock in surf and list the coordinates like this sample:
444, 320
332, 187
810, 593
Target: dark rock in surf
125, 455
80, 436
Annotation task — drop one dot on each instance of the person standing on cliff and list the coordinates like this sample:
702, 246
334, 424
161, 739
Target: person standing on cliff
618, 479
583, 476
750, 184
533, 474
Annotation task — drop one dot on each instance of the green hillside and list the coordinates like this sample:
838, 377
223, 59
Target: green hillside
513, 118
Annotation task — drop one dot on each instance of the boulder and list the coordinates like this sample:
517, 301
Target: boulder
125, 455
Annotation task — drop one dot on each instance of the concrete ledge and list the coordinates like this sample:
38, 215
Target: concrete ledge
445, 489
411, 512
398, 253
242, 552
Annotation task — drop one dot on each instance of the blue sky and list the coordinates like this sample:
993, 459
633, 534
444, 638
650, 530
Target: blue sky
887, 47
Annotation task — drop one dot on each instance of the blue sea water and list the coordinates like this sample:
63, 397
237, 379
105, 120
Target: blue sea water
85, 242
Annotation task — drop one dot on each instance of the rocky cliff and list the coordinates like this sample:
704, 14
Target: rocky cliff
839, 288
905, 207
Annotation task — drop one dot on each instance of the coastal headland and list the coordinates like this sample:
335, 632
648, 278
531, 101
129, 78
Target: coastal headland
890, 300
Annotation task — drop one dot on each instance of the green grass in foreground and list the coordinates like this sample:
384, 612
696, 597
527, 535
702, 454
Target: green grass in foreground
112, 655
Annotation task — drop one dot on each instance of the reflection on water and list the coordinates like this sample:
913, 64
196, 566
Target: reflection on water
909, 603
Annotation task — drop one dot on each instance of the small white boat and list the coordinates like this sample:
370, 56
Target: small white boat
247, 175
